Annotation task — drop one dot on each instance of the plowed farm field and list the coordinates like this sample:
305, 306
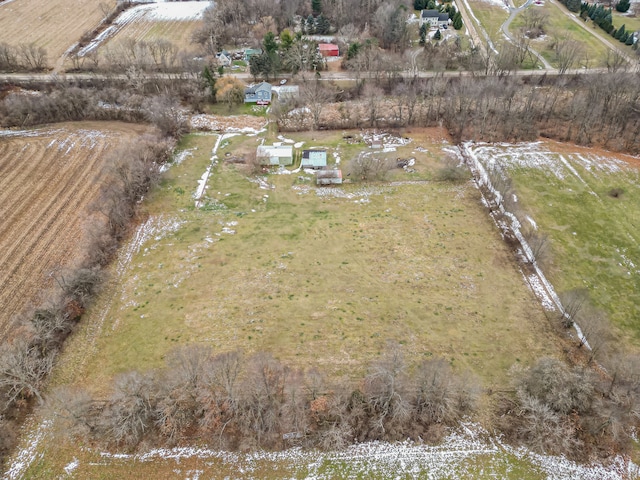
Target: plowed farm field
48, 177
53, 24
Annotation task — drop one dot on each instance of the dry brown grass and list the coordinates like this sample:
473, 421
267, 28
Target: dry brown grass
52, 24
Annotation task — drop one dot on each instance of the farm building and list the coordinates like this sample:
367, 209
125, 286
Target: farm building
328, 50
329, 177
259, 93
250, 52
434, 18
275, 155
314, 159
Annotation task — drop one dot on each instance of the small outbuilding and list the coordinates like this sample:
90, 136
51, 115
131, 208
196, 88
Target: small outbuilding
314, 159
250, 52
329, 177
259, 93
275, 155
329, 50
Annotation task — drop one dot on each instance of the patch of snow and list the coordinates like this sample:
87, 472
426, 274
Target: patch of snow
25, 456
298, 145
513, 226
454, 457
532, 222
71, 466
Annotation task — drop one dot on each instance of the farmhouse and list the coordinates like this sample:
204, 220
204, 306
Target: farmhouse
275, 155
259, 93
328, 50
329, 177
314, 159
224, 58
434, 19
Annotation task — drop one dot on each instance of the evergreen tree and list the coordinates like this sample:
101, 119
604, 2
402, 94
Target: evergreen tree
423, 34
311, 25
353, 50
316, 7
286, 40
624, 37
614, 33
629, 39
210, 82
620, 33
437, 36
623, 6
419, 4
574, 5
431, 4
322, 25
457, 21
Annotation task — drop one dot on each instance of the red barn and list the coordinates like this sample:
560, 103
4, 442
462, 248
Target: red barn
328, 50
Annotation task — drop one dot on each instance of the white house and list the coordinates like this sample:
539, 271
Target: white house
434, 18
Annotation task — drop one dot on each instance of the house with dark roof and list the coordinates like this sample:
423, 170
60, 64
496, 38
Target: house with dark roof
434, 18
259, 93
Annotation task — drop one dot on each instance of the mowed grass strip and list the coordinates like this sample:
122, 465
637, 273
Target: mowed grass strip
595, 244
491, 17
318, 280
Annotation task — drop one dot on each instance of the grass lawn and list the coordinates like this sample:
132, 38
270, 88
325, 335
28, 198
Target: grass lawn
319, 278
593, 52
491, 18
595, 241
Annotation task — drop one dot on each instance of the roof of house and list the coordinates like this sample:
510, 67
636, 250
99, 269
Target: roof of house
307, 153
275, 151
258, 86
334, 173
442, 17
252, 51
430, 13
327, 46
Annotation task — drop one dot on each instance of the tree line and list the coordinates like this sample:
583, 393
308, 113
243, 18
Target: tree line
233, 401
38, 334
599, 109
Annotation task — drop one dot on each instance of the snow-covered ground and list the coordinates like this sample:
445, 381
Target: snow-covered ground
453, 458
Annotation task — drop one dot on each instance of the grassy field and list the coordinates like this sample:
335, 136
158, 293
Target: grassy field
588, 201
491, 17
323, 277
593, 52
319, 277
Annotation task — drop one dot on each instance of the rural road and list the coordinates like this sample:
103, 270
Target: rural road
505, 29
607, 43
26, 79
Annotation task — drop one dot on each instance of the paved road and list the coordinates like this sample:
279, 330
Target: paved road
609, 42
25, 79
505, 29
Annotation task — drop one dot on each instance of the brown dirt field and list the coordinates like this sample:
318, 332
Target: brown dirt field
52, 24
48, 177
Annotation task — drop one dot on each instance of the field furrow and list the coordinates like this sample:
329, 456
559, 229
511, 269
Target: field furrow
47, 182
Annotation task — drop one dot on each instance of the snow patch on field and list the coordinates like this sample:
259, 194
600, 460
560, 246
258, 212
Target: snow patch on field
29, 453
480, 162
151, 12
453, 458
